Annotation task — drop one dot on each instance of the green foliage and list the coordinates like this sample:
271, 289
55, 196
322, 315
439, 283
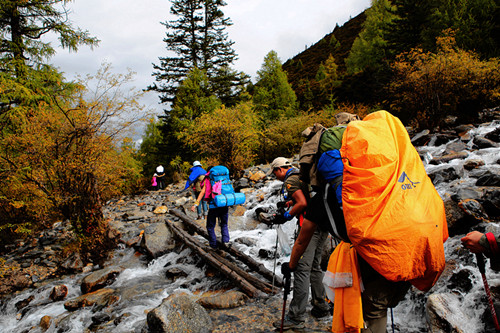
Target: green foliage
227, 136
429, 86
24, 23
273, 95
369, 49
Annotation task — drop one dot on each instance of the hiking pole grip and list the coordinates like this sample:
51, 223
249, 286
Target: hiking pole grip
482, 270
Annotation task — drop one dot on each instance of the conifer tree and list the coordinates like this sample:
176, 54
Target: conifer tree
198, 39
23, 24
273, 94
370, 47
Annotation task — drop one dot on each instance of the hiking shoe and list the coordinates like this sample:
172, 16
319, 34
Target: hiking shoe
289, 324
318, 313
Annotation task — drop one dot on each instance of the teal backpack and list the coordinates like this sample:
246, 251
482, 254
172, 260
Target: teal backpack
222, 189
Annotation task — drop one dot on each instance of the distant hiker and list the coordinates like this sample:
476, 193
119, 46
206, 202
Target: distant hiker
160, 177
195, 179
390, 219
308, 271
487, 243
154, 184
218, 192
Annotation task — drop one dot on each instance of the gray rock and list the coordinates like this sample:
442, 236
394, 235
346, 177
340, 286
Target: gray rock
99, 279
179, 314
444, 316
157, 240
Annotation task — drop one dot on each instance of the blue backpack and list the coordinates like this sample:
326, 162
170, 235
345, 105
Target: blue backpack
227, 196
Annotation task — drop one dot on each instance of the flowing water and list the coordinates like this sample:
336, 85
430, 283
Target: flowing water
142, 285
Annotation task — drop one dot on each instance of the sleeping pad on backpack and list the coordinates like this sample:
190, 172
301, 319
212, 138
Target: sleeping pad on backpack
394, 216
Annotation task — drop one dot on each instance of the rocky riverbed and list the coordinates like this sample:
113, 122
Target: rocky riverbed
151, 275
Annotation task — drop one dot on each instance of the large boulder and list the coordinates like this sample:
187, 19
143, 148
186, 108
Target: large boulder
102, 298
157, 240
444, 315
99, 279
179, 314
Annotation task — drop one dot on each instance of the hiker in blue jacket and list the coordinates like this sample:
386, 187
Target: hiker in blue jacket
195, 180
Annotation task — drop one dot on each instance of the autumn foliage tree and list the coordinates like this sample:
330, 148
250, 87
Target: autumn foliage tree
430, 86
60, 158
227, 136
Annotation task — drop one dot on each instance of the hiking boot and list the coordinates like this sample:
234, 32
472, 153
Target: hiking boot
319, 313
199, 217
289, 324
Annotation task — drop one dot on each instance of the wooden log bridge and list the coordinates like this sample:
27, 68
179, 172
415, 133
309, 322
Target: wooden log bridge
250, 284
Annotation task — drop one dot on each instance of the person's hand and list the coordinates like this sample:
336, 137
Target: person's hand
193, 208
471, 242
285, 270
287, 216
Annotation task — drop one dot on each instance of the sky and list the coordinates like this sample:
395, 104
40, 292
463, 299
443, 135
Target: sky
132, 37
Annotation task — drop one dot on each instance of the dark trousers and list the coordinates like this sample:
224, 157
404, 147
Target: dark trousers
220, 213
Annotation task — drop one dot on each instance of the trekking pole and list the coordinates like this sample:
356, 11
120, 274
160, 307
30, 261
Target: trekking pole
481, 266
285, 295
275, 256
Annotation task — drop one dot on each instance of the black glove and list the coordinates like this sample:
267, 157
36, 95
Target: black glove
279, 219
281, 205
285, 270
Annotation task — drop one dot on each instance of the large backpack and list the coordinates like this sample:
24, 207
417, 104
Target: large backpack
394, 216
222, 193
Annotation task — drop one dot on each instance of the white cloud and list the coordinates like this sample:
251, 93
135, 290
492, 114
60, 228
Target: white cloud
132, 37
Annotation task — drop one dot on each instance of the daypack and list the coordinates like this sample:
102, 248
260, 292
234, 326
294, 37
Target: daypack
393, 214
220, 191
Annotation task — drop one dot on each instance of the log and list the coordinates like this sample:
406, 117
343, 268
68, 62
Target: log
246, 286
249, 261
258, 283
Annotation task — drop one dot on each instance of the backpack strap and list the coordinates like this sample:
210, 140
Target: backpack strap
335, 183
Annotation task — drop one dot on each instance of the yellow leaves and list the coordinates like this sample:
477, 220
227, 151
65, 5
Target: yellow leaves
428, 86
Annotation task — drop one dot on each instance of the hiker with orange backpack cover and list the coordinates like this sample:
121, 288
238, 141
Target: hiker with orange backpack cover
376, 262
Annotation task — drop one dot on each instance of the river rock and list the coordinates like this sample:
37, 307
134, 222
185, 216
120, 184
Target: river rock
444, 315
482, 142
257, 176
45, 322
489, 180
102, 297
157, 240
227, 300
475, 209
161, 210
179, 314
73, 263
58, 293
473, 164
443, 175
446, 158
99, 279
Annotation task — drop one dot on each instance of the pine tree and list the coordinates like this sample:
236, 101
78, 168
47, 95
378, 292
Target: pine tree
198, 39
273, 94
369, 48
23, 24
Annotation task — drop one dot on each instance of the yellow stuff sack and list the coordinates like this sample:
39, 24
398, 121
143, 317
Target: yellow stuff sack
394, 216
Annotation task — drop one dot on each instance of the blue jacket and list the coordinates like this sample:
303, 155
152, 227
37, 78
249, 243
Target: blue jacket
196, 171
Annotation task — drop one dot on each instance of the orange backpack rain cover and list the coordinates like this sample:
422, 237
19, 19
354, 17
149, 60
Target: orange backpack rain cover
394, 216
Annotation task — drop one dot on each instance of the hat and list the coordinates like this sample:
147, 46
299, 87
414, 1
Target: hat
196, 163
278, 163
